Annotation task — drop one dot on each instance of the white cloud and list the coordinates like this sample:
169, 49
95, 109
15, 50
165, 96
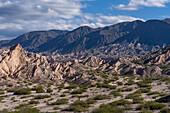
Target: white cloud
136, 4
20, 16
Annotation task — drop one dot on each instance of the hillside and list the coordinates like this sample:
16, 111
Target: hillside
125, 39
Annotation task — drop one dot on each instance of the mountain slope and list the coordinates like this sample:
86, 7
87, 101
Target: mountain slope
33, 39
136, 38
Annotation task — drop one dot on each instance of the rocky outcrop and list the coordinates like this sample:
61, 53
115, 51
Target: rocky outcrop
12, 61
21, 64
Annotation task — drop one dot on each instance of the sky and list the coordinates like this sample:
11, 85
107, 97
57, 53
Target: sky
20, 16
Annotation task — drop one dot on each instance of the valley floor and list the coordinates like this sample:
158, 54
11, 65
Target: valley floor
115, 95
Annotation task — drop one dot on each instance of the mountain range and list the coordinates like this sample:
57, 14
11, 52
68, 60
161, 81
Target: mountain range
130, 38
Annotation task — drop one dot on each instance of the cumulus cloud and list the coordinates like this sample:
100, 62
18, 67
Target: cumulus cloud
136, 4
20, 16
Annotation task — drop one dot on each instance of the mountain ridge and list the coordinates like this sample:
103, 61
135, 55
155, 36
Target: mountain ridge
149, 34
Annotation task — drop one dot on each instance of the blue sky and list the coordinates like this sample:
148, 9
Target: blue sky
20, 16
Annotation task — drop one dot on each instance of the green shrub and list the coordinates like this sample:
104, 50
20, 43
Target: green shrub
137, 100
105, 108
24, 91
130, 82
71, 87
154, 93
27, 110
91, 101
121, 102
101, 97
42, 96
115, 94
60, 102
151, 105
56, 108
119, 83
79, 91
78, 106
49, 90
39, 89
124, 90
33, 102
165, 111
143, 90
21, 106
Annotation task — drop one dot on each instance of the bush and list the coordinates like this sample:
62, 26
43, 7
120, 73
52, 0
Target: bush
144, 84
106, 108
101, 85
165, 111
27, 110
33, 102
78, 106
125, 90
101, 97
137, 100
42, 96
121, 102
71, 87
151, 105
143, 90
39, 89
79, 91
23, 91
115, 94
130, 82
49, 90
119, 83
60, 102
153, 93
91, 101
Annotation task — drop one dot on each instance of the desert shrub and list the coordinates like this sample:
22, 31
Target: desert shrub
49, 90
2, 92
62, 95
21, 106
60, 102
125, 89
115, 93
151, 105
154, 93
39, 89
143, 84
143, 90
130, 82
119, 83
56, 108
24, 91
71, 87
28, 110
33, 102
165, 111
42, 96
66, 92
11, 90
121, 102
106, 108
137, 100
79, 91
101, 97
78, 106
91, 101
